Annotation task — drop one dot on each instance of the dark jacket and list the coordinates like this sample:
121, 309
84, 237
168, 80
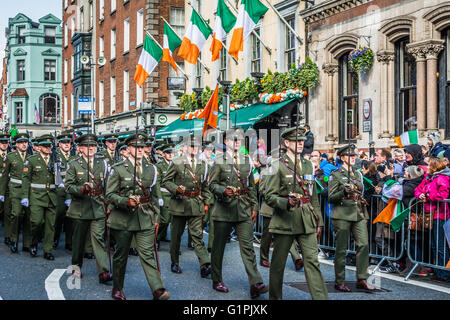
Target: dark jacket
308, 146
409, 185
437, 148
416, 152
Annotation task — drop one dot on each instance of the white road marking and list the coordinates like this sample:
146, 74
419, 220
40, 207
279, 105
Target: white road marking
1, 298
52, 287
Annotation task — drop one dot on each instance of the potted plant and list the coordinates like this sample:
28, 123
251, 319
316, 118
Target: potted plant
361, 59
308, 75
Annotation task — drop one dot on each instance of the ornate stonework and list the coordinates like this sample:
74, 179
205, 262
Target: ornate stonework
385, 56
330, 68
427, 49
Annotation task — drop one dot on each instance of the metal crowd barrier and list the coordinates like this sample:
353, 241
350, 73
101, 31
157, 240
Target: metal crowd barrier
427, 245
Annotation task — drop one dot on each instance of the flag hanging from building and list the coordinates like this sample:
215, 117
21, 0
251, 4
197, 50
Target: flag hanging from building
211, 111
170, 43
36, 114
197, 33
149, 59
406, 138
249, 14
225, 21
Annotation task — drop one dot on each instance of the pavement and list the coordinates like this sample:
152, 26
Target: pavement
25, 278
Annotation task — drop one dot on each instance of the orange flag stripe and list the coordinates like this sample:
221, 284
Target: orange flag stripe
189, 51
237, 43
140, 75
387, 214
216, 46
168, 58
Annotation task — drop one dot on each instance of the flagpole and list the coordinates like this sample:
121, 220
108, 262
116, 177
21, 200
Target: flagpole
285, 22
253, 31
199, 60
148, 33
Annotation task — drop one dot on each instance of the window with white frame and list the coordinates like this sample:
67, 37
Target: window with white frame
66, 35
49, 70
101, 98
72, 67
72, 107
139, 95
113, 6
126, 91
81, 26
65, 111
256, 51
66, 65
19, 111
177, 20
126, 35
172, 73
101, 46
73, 26
91, 14
140, 27
65, 4
101, 9
289, 44
50, 34
113, 95
113, 44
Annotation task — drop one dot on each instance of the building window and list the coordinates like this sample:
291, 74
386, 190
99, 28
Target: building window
19, 112
20, 70
77, 55
172, 96
65, 4
177, 20
49, 70
66, 35
406, 100
113, 95
223, 62
126, 91
49, 108
91, 14
126, 35
139, 95
72, 26
72, 67
50, 33
256, 52
102, 46
81, 19
66, 72
113, 6
113, 44
20, 35
289, 52
101, 99
102, 9
348, 101
65, 111
140, 27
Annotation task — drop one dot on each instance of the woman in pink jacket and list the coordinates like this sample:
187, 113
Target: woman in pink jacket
432, 190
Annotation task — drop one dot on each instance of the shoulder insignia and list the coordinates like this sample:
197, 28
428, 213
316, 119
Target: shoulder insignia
99, 156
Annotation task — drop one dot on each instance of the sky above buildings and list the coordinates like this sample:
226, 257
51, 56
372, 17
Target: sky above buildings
33, 9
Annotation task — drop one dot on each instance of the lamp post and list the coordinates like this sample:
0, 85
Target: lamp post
258, 77
198, 93
225, 122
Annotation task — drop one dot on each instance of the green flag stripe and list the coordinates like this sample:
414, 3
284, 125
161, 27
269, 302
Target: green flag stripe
227, 17
204, 28
153, 49
413, 139
174, 40
255, 9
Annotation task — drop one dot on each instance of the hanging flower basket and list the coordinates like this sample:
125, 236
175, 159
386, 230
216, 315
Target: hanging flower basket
361, 59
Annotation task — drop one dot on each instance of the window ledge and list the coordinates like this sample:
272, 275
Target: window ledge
126, 2
126, 52
112, 12
139, 45
112, 59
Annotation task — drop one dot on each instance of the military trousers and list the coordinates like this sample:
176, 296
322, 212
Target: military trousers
145, 241
20, 216
244, 232
62, 222
266, 239
95, 229
308, 244
209, 220
342, 230
195, 229
43, 217
5, 207
164, 219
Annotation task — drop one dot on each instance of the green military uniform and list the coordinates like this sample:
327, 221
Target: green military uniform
188, 207
349, 215
110, 157
87, 209
11, 188
126, 221
39, 190
208, 218
234, 171
165, 216
5, 203
299, 222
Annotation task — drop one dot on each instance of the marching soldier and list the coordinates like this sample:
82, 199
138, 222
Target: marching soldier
5, 201
63, 199
11, 186
135, 198
87, 209
236, 206
349, 215
148, 151
165, 217
296, 215
187, 181
207, 156
39, 193
123, 151
110, 151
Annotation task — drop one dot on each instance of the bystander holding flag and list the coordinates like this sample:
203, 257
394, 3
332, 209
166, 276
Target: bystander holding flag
225, 20
149, 59
407, 138
196, 34
211, 111
249, 14
170, 43
36, 114
256, 175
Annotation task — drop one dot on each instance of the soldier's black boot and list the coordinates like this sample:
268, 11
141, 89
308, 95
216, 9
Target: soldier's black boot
49, 256
55, 244
205, 270
7, 241
33, 251
13, 247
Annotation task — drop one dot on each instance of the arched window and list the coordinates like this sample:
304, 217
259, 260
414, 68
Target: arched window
348, 101
49, 108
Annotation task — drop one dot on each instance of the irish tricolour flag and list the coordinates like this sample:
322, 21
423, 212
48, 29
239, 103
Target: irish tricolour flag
170, 43
196, 34
150, 56
225, 20
406, 138
249, 14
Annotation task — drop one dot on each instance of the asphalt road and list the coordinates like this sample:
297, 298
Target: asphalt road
26, 278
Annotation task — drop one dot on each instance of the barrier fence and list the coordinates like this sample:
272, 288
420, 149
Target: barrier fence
424, 243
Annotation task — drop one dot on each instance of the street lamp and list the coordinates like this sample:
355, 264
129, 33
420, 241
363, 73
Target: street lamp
258, 77
198, 93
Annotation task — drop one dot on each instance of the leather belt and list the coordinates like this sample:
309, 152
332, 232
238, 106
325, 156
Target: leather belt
144, 199
15, 181
303, 199
191, 194
353, 196
42, 186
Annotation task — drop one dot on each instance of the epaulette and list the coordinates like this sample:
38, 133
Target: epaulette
118, 164
33, 156
99, 156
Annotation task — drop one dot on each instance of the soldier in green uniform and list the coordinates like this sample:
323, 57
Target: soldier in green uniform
148, 151
109, 152
349, 215
136, 199
87, 208
123, 151
233, 185
187, 181
39, 193
208, 157
63, 199
165, 217
296, 215
11, 185
5, 205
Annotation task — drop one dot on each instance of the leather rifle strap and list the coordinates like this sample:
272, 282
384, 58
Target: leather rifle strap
195, 179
